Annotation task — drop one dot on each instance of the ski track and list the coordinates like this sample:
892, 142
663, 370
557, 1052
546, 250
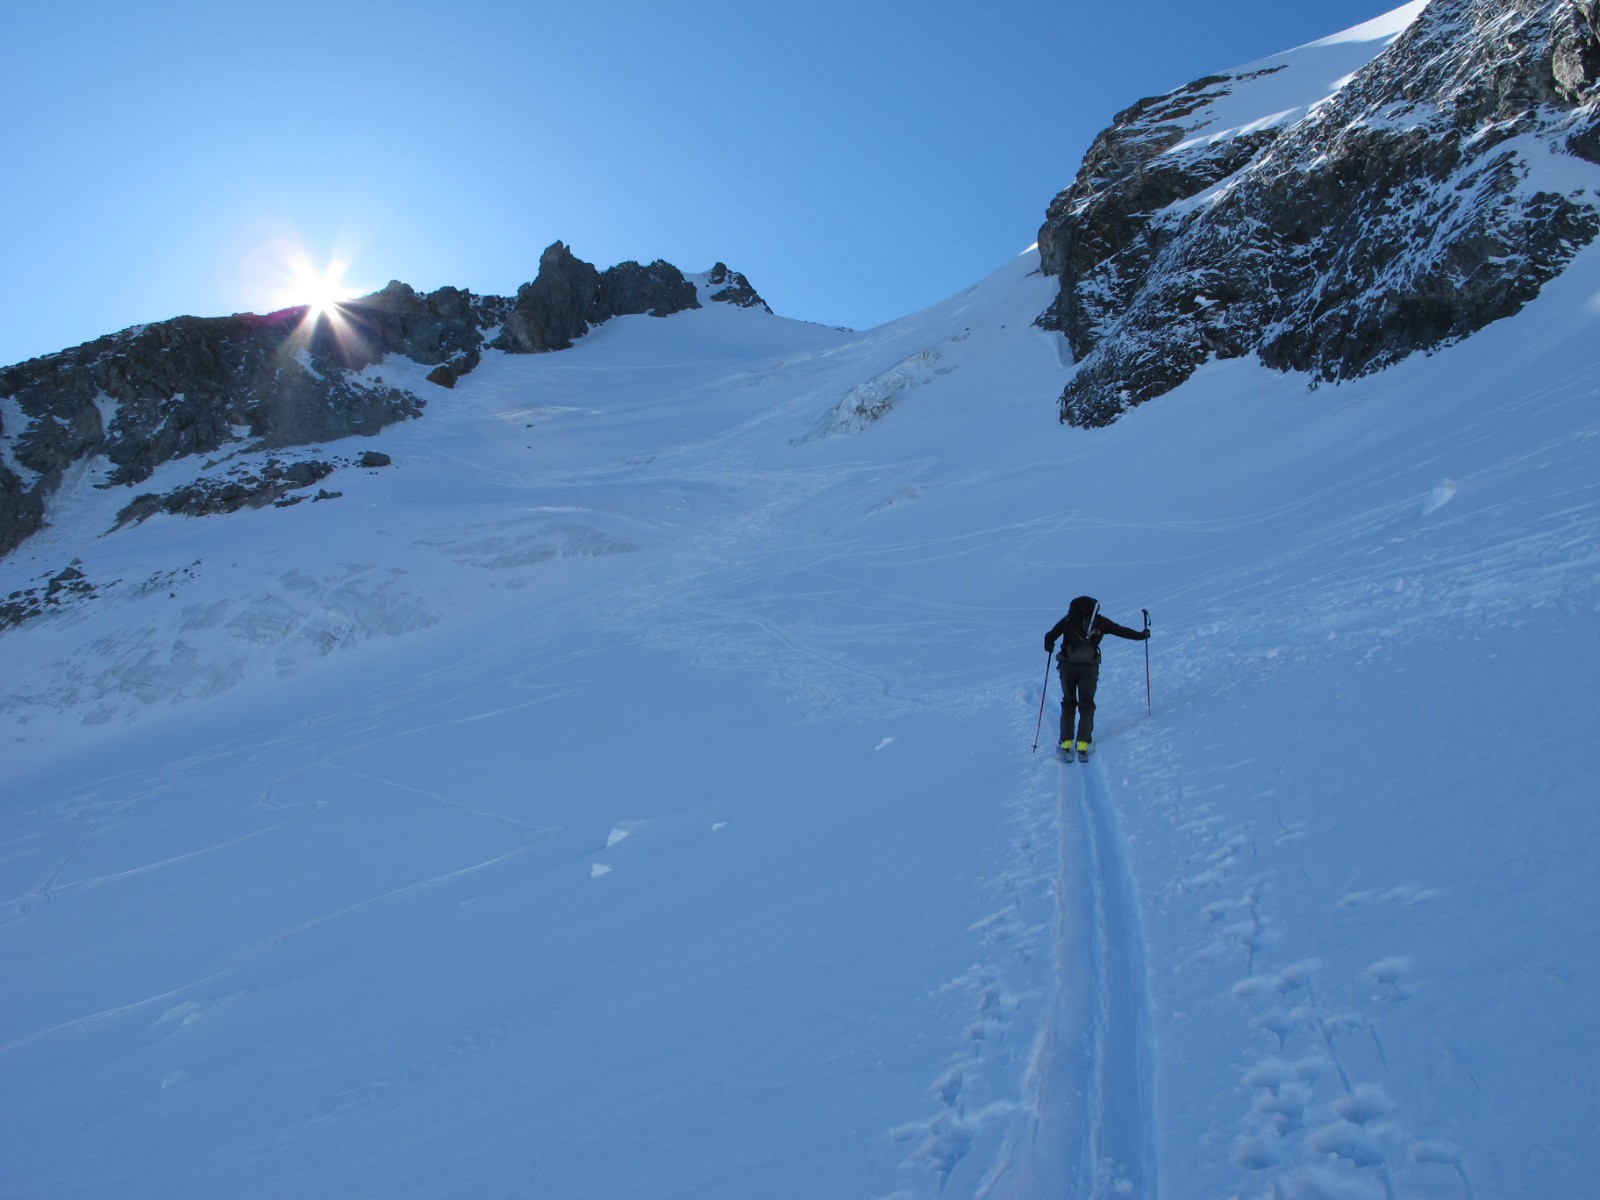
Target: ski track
1121, 1146
1089, 1125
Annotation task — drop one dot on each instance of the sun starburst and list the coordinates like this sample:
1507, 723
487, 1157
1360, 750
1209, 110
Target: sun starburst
320, 289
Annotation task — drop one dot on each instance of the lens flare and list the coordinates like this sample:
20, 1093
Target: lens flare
328, 326
320, 290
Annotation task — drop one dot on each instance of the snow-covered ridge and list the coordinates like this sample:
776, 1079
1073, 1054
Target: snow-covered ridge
1283, 88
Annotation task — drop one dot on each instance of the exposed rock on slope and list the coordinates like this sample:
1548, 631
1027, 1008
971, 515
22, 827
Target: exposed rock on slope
191, 385
188, 386
569, 296
733, 288
1433, 193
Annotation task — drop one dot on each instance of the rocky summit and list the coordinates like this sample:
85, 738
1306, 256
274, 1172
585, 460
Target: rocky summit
569, 296
192, 385
1424, 199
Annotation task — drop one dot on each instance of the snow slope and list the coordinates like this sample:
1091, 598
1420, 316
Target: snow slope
1283, 88
629, 792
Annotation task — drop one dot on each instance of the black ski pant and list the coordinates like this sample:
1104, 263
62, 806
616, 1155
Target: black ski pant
1078, 681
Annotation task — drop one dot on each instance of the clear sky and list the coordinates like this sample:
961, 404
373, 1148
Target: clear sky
857, 159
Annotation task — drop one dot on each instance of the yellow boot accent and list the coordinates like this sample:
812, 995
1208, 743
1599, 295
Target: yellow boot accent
1083, 747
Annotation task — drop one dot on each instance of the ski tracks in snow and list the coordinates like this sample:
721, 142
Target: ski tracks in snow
1120, 1155
1087, 1125
1090, 1127
1081, 1122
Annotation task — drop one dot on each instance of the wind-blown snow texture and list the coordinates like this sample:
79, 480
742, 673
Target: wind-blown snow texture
627, 793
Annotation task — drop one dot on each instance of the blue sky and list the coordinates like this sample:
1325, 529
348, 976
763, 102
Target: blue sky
857, 160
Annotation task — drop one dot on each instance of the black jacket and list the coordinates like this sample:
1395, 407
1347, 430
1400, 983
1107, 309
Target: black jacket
1102, 626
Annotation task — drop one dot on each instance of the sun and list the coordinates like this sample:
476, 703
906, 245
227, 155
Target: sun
319, 289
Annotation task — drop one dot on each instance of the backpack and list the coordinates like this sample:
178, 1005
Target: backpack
1077, 645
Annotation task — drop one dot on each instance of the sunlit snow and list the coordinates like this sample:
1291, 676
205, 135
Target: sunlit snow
634, 798
628, 792
1282, 88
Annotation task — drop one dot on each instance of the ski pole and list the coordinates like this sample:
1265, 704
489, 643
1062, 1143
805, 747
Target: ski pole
1043, 692
1149, 708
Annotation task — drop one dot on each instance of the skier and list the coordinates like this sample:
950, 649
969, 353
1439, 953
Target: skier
1079, 633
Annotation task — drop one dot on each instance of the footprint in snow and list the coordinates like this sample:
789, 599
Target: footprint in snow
1290, 979
1444, 1154
1274, 1074
1255, 1153
1365, 1104
1363, 1146
1394, 976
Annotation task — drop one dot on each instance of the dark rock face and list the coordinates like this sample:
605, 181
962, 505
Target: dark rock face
237, 489
1575, 51
65, 587
190, 385
554, 309
186, 386
734, 289
569, 297
658, 289
71, 588
1397, 217
443, 327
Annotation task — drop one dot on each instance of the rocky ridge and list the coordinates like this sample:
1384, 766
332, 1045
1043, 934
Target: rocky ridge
193, 385
733, 288
1435, 192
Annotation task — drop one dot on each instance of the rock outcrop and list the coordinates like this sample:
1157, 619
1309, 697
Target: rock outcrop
569, 297
1405, 212
240, 488
191, 385
186, 386
733, 288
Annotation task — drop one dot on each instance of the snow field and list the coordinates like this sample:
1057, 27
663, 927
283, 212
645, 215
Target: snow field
692, 847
